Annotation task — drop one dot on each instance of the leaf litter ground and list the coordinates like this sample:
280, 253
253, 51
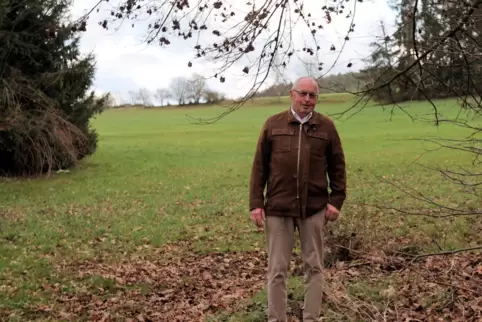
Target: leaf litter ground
178, 284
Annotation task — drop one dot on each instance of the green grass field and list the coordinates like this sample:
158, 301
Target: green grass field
161, 190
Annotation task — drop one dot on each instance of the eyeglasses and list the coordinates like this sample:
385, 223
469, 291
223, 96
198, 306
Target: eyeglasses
304, 93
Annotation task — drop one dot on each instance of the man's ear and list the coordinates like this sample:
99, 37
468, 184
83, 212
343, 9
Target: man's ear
291, 94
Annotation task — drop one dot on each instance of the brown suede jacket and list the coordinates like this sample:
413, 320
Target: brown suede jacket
296, 180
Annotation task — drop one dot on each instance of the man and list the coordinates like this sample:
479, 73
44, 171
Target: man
296, 151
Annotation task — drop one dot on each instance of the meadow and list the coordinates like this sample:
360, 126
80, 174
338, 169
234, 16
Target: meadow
155, 225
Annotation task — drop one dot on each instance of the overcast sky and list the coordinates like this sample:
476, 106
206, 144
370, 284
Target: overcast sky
125, 62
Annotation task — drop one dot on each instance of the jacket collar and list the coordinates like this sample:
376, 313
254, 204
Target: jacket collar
305, 119
314, 119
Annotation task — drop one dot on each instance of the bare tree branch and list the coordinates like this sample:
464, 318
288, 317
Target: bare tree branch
246, 37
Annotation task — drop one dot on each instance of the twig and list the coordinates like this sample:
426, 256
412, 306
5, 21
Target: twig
448, 252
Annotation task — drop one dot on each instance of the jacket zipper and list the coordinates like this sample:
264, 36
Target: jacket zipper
298, 165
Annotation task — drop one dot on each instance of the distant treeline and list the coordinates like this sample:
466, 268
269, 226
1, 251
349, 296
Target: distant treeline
339, 83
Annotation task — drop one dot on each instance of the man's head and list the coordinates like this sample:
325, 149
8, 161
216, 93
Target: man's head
304, 94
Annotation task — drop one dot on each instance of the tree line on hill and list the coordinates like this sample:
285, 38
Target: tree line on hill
184, 91
194, 91
351, 82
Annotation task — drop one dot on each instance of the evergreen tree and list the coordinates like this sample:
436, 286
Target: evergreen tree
45, 109
434, 53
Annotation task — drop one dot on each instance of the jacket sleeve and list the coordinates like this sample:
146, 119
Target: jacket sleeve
260, 169
336, 170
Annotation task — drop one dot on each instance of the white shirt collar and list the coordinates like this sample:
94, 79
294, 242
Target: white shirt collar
301, 120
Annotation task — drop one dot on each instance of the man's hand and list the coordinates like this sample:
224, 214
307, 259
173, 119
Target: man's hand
258, 217
331, 213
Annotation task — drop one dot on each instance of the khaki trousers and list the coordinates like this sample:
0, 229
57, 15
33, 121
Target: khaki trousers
280, 232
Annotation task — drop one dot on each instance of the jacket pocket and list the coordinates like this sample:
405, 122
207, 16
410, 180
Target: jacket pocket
318, 142
282, 140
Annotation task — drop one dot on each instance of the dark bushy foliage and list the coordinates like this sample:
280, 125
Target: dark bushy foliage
45, 109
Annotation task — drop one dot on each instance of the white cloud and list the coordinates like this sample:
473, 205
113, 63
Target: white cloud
125, 62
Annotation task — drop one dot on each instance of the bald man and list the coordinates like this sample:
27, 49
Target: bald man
298, 157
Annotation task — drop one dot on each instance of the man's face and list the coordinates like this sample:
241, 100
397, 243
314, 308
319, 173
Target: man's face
304, 97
